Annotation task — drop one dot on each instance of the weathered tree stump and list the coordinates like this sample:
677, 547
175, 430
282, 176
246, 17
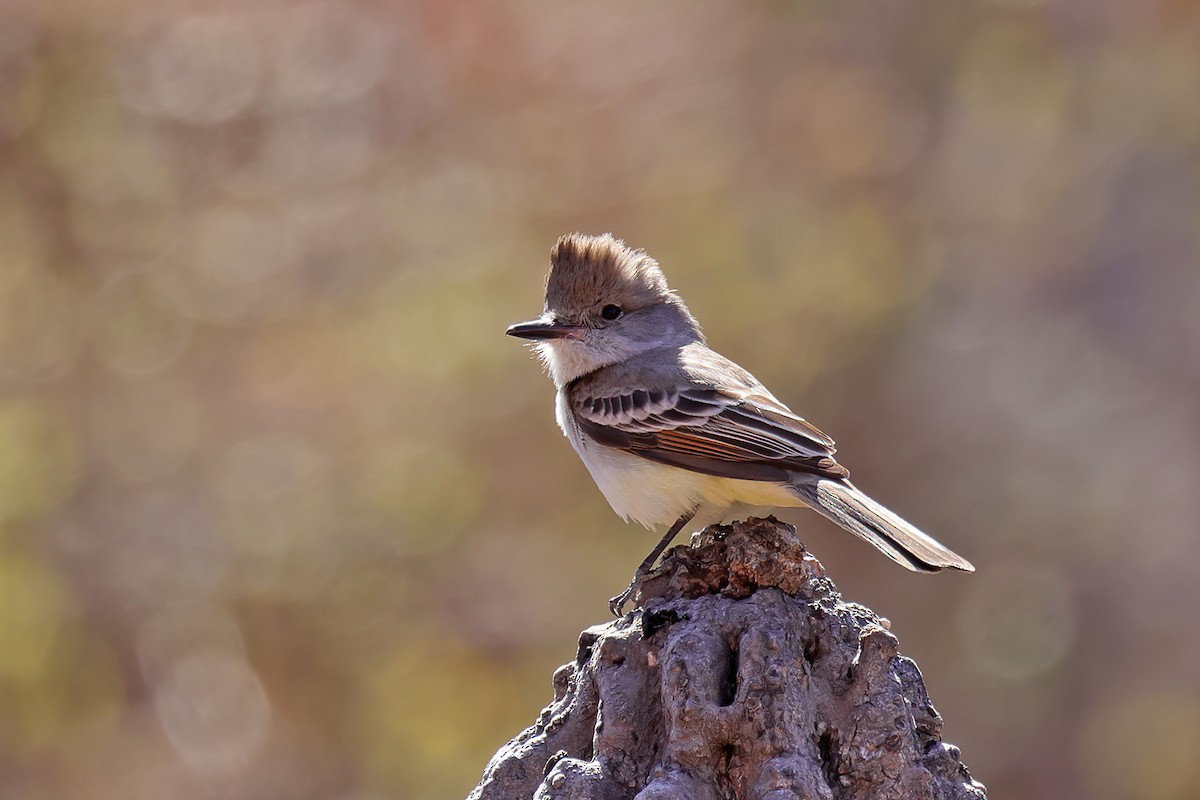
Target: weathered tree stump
742, 675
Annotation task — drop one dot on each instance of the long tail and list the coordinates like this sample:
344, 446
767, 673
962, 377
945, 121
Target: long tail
844, 504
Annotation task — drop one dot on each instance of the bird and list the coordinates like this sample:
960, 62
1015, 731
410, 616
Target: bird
673, 432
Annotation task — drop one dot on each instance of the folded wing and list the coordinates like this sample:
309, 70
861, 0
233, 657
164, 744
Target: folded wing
751, 437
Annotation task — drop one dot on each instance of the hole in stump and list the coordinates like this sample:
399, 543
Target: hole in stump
553, 760
727, 688
587, 641
654, 621
827, 746
812, 649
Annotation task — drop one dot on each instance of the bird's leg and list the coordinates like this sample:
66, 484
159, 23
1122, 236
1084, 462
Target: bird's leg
616, 603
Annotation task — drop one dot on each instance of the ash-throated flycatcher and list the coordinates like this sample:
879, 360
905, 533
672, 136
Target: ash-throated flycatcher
672, 431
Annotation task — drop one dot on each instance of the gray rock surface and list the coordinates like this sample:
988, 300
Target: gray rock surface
741, 675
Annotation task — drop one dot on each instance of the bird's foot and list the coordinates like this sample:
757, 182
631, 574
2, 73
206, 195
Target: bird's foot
617, 604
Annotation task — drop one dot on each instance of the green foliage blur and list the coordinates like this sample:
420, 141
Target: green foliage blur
284, 514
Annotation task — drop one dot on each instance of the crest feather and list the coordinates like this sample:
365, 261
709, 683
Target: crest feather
586, 268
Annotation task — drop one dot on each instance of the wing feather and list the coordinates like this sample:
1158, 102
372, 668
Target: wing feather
754, 437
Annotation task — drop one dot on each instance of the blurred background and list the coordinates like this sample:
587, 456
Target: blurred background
284, 514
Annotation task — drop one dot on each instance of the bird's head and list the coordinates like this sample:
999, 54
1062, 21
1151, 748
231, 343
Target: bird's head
605, 303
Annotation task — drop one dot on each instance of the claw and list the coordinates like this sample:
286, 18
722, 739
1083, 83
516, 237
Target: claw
617, 604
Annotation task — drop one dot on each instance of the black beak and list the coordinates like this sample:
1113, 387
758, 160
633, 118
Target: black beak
541, 329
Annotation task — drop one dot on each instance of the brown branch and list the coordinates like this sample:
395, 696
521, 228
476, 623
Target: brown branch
744, 676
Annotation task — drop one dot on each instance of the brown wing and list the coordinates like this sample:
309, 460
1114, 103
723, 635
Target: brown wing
705, 430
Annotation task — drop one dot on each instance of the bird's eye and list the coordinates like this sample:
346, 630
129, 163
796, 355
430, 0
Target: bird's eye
610, 312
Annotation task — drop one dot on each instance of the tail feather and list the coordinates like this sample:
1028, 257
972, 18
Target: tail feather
842, 503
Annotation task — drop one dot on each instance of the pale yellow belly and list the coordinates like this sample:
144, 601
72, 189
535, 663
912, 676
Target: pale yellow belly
655, 494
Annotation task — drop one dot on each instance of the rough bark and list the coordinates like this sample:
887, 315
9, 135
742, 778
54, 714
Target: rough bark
741, 675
